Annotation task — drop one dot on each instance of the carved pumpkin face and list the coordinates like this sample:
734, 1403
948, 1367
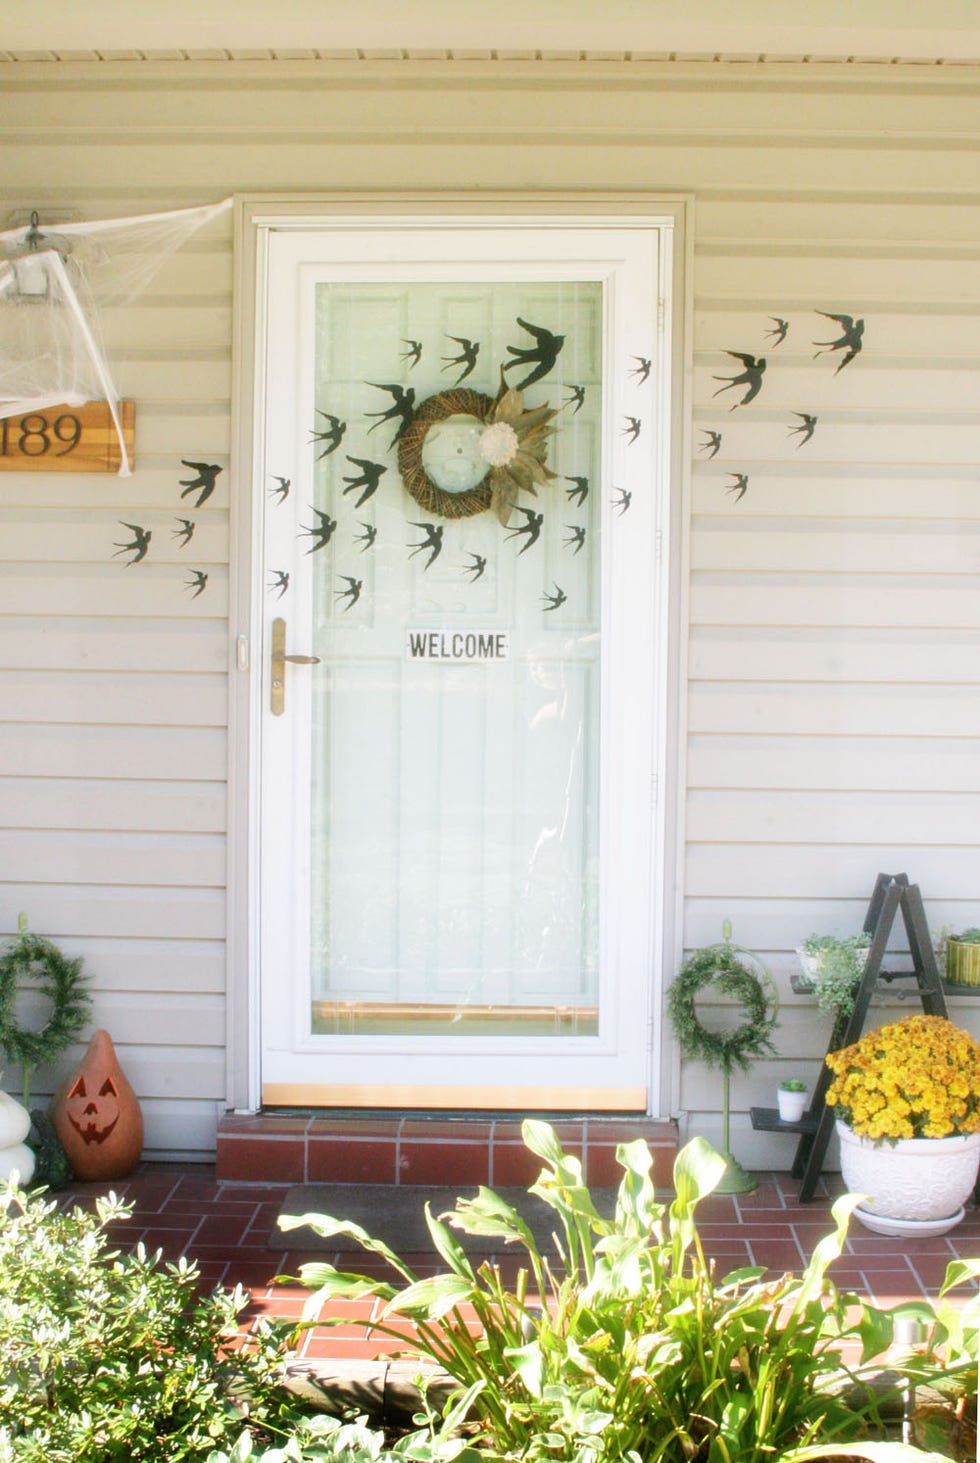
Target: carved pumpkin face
93, 1116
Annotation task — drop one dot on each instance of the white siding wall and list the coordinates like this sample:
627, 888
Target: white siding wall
834, 610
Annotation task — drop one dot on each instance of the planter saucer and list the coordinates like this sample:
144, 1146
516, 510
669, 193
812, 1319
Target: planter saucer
906, 1228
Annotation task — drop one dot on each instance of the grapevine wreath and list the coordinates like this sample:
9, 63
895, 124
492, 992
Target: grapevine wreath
719, 966
42, 965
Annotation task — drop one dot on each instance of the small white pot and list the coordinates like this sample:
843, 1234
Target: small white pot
792, 1105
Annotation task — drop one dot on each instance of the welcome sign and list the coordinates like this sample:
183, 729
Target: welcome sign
457, 645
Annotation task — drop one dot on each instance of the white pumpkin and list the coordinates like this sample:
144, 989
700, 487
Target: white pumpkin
18, 1156
15, 1121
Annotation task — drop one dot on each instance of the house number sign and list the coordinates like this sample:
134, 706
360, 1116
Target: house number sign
66, 438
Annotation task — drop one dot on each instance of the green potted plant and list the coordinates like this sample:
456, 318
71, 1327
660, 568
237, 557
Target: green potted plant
834, 965
791, 1097
963, 957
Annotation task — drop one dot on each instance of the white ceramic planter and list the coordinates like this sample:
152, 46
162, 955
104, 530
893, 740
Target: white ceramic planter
791, 1105
915, 1185
15, 1124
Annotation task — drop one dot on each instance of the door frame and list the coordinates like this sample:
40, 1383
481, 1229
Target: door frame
253, 214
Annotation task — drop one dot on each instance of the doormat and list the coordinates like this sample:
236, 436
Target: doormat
395, 1214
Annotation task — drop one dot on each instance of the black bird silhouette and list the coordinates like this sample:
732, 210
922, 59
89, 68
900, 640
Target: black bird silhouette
469, 350
580, 492
623, 501
532, 528
207, 473
433, 540
371, 473
577, 538
402, 407
476, 568
351, 593
367, 537
642, 370
184, 533
577, 399
778, 335
325, 526
852, 340
139, 545
542, 355
740, 486
282, 491
806, 429
333, 436
198, 581
711, 443
414, 352
554, 601
751, 377
280, 581
632, 429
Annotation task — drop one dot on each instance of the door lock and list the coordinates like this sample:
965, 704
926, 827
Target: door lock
277, 696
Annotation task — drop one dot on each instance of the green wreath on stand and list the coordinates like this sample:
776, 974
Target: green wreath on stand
723, 968
37, 963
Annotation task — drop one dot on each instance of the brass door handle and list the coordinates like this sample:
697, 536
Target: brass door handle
277, 695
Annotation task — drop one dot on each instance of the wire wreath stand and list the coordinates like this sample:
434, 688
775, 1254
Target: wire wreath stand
723, 967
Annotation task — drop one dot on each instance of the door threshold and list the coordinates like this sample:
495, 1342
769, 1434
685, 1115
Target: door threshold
390, 1147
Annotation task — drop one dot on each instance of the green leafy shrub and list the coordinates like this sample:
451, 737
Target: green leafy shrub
116, 1357
835, 966
628, 1347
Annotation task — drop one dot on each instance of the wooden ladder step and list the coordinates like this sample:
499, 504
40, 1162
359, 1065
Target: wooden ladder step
767, 1120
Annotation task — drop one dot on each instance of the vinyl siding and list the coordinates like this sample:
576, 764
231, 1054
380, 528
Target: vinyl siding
833, 698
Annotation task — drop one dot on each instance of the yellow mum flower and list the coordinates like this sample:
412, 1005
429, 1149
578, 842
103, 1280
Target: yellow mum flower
919, 1077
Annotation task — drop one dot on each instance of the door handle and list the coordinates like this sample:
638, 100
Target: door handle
277, 695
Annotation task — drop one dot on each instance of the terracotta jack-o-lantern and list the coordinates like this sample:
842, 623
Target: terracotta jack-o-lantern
97, 1117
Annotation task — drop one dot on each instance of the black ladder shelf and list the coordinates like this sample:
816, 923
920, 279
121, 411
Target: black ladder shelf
892, 893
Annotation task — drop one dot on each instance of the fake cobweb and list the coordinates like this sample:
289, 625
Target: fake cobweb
55, 282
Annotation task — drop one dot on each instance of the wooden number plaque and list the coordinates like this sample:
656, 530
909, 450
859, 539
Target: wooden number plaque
66, 439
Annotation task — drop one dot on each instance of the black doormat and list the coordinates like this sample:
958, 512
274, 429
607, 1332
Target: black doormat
395, 1214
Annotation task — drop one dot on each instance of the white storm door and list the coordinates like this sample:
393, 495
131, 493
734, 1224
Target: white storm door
460, 885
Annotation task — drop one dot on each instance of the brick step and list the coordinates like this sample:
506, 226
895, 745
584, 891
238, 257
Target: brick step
289, 1146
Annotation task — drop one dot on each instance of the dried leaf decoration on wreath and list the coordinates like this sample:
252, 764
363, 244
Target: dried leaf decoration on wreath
719, 966
511, 441
36, 962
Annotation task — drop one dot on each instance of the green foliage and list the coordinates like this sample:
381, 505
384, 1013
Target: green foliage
840, 964
792, 1084
968, 937
625, 1345
115, 1357
721, 967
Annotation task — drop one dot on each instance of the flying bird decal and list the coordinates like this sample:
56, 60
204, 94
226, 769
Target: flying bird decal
711, 443
333, 436
198, 581
402, 407
778, 334
642, 369
577, 538
475, 570
184, 533
280, 581
541, 356
577, 399
851, 341
413, 354
739, 487
138, 545
751, 377
806, 429
322, 532
623, 501
352, 593
469, 350
207, 474
579, 492
532, 528
554, 601
367, 537
281, 490
432, 541
370, 476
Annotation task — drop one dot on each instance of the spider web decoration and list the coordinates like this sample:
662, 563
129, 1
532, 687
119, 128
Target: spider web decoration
55, 280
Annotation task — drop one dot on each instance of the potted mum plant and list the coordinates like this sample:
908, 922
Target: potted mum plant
908, 1117
834, 966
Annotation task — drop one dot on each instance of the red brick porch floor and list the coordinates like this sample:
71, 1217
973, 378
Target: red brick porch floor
225, 1226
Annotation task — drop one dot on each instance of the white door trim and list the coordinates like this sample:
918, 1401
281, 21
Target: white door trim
254, 215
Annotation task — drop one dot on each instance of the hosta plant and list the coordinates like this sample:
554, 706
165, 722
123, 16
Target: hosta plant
623, 1343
